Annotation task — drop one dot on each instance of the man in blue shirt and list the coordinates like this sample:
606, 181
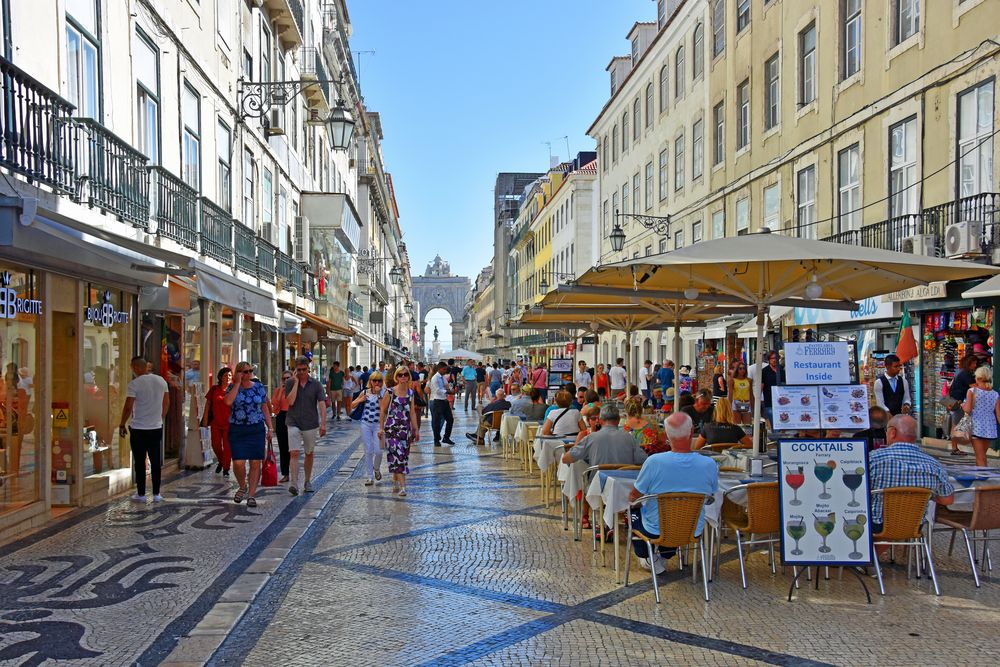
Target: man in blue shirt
677, 471
469, 375
665, 376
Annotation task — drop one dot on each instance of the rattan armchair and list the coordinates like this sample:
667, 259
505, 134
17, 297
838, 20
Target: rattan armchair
761, 516
985, 516
723, 446
679, 514
903, 510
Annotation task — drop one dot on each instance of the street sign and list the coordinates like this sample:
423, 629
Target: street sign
823, 489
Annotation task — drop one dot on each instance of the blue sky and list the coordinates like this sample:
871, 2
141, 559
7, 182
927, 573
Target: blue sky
467, 89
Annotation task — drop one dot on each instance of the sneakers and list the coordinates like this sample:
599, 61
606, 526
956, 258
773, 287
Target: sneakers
378, 475
369, 482
293, 490
448, 441
657, 562
437, 443
283, 479
138, 498
218, 468
308, 488
225, 473
157, 498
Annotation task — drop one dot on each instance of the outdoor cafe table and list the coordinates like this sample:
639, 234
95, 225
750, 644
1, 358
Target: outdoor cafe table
571, 477
522, 435
508, 430
548, 450
610, 489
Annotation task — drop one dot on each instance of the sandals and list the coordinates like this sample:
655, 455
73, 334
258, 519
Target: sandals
251, 502
402, 492
957, 452
240, 495
378, 475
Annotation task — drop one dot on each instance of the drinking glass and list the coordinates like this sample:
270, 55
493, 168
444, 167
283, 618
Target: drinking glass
824, 472
796, 530
795, 480
824, 526
855, 530
852, 480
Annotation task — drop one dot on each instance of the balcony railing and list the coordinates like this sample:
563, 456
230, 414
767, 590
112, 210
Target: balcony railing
355, 311
265, 260
173, 207
37, 131
283, 268
297, 277
112, 173
216, 232
246, 248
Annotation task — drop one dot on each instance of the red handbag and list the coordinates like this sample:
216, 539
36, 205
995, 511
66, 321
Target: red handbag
269, 471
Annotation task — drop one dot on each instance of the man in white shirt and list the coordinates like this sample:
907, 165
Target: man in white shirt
645, 373
892, 391
582, 377
440, 408
618, 377
147, 399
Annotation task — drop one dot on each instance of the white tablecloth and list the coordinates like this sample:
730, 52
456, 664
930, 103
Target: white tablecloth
508, 426
548, 450
572, 477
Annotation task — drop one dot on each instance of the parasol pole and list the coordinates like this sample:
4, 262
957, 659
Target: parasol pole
758, 376
677, 355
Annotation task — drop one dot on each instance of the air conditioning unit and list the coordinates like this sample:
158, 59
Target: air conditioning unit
919, 244
963, 238
302, 249
274, 123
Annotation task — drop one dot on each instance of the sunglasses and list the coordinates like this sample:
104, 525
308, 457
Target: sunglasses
376, 382
303, 368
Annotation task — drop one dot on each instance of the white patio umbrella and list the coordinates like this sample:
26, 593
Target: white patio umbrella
763, 270
462, 353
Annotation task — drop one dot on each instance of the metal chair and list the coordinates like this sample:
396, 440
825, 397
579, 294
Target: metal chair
760, 517
679, 514
985, 516
903, 509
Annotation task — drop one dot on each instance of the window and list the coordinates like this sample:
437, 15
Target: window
807, 65
772, 207
249, 178
614, 81
903, 168
678, 239
718, 27
664, 88
719, 224
649, 105
806, 203
83, 81
247, 65
267, 206
635, 193
614, 206
679, 73
664, 171
605, 156
697, 149
283, 244
661, 13
907, 19
224, 20
625, 134
850, 38
662, 246
145, 58
849, 188
743, 114
679, 162
975, 140
635, 51
625, 197
649, 250
742, 15
772, 92
614, 144
265, 52
743, 216
698, 52
636, 121
604, 219
719, 118
191, 139
649, 185
224, 147
696, 231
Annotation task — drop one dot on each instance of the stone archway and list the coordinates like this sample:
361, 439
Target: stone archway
437, 288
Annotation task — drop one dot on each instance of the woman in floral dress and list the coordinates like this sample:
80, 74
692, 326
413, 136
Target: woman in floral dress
399, 427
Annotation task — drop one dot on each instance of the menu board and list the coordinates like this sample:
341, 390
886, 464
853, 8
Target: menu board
824, 498
841, 407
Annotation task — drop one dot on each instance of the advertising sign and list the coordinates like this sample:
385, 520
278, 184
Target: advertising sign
818, 363
795, 408
560, 365
824, 502
841, 407
844, 407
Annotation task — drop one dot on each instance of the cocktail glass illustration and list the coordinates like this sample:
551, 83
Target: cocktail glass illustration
796, 530
852, 480
824, 472
855, 530
795, 477
824, 525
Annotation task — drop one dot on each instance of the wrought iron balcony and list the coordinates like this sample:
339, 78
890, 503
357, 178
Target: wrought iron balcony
355, 311
297, 278
112, 175
246, 248
266, 255
38, 135
290, 271
216, 232
173, 207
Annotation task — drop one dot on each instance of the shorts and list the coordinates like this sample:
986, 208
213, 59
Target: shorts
304, 440
336, 394
741, 406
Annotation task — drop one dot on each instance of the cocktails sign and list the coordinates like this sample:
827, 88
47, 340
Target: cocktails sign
824, 502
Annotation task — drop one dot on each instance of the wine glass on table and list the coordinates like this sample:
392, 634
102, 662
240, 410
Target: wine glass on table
796, 530
824, 525
795, 478
824, 472
852, 480
855, 530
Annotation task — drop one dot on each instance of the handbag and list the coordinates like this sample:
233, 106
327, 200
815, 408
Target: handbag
962, 432
269, 471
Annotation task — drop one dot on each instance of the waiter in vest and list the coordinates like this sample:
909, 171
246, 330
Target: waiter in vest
891, 389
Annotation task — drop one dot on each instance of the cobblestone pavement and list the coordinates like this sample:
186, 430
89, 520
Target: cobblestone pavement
470, 568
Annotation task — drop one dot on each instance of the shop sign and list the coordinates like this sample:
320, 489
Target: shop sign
570, 348
817, 363
872, 308
105, 314
588, 340
919, 293
11, 305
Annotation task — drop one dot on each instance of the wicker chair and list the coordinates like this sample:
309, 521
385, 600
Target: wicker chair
679, 514
722, 446
903, 509
759, 517
985, 516
492, 423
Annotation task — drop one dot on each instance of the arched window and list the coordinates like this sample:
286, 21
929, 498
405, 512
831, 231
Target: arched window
636, 120
664, 87
679, 73
614, 144
649, 105
698, 54
625, 132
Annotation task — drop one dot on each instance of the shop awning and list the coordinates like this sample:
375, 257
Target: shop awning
269, 324
322, 325
987, 288
289, 323
775, 313
227, 290
364, 335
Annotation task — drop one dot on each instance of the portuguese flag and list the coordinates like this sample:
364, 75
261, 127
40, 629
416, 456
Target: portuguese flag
906, 347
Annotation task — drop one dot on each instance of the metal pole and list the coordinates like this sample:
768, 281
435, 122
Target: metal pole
677, 367
758, 377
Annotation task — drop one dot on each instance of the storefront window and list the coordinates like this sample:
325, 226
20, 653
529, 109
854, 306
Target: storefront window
162, 346
107, 321
18, 412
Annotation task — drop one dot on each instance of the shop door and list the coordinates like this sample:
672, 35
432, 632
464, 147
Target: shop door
65, 384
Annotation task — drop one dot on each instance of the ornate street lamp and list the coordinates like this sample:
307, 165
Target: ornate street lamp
341, 127
659, 224
617, 238
395, 276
